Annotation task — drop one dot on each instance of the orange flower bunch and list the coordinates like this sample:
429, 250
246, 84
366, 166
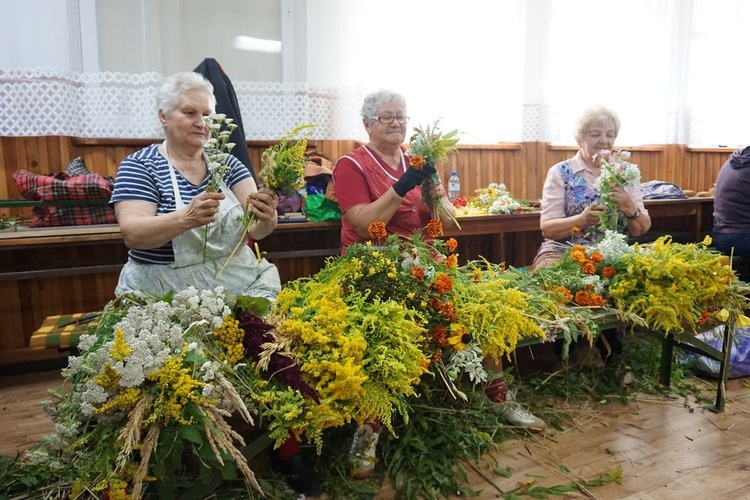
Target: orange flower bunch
586, 298
417, 161
377, 230
443, 283
434, 228
562, 291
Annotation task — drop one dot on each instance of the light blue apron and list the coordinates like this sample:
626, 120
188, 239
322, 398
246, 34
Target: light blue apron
244, 275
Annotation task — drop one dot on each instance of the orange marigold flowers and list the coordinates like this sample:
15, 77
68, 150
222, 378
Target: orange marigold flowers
451, 245
609, 272
434, 228
563, 292
436, 355
449, 311
440, 335
578, 256
582, 298
451, 261
596, 300
417, 161
575, 230
377, 230
418, 273
596, 257
588, 268
443, 283
705, 316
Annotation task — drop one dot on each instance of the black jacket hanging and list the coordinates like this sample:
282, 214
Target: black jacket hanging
226, 103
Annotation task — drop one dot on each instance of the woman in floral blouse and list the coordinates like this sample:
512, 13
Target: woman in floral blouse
571, 205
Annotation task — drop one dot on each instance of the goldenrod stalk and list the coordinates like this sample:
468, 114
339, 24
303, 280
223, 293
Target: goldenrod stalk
243, 240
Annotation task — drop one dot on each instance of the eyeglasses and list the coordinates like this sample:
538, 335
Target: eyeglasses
387, 120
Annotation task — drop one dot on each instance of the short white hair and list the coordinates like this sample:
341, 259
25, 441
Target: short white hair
375, 99
595, 115
171, 90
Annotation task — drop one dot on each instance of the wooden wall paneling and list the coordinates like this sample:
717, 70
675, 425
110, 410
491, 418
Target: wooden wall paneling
10, 305
675, 168
48, 154
112, 161
5, 177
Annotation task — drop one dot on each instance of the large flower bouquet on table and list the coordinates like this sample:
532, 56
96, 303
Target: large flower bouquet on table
375, 322
663, 286
149, 399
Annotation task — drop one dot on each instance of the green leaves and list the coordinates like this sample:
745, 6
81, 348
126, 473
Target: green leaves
430, 143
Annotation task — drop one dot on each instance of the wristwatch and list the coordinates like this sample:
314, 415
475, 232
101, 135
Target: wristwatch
635, 215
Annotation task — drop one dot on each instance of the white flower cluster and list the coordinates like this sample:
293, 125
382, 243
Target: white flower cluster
468, 361
504, 204
616, 171
612, 246
493, 190
497, 199
153, 333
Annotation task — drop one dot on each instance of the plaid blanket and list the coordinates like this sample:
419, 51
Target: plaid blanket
63, 331
63, 187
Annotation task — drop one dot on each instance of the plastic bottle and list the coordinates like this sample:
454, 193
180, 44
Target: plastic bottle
454, 186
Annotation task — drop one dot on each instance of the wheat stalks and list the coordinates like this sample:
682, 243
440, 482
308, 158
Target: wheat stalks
149, 445
224, 435
234, 398
131, 433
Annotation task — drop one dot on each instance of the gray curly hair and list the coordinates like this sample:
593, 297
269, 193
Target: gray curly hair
375, 99
175, 86
595, 115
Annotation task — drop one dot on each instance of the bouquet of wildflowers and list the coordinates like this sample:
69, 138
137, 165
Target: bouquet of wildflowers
283, 169
283, 165
428, 146
367, 328
616, 172
664, 286
494, 199
150, 385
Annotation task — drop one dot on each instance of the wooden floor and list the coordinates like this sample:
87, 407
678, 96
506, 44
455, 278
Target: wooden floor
667, 450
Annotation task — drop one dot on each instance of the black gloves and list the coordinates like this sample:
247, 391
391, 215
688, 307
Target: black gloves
411, 179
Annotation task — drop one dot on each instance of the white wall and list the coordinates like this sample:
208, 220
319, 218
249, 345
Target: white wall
35, 33
136, 36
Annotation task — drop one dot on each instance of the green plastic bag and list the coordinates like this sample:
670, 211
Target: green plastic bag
318, 208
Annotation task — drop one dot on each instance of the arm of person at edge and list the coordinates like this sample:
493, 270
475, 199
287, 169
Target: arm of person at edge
382, 209
141, 229
560, 228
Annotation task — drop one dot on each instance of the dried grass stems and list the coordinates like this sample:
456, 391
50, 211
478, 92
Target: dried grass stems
221, 436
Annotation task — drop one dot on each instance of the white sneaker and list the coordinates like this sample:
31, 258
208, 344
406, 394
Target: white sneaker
516, 416
362, 452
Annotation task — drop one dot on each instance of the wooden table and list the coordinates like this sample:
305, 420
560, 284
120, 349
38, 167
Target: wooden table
699, 212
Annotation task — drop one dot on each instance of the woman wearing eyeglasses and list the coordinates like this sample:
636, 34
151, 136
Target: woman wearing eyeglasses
375, 182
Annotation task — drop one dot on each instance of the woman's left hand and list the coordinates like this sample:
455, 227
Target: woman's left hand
263, 204
623, 201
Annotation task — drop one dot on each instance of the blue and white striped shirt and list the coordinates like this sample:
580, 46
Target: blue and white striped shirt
144, 176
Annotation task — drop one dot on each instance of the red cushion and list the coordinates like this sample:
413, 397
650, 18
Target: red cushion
60, 187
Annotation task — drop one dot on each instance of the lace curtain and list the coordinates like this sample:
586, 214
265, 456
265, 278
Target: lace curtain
498, 70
